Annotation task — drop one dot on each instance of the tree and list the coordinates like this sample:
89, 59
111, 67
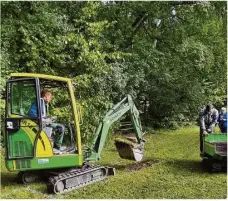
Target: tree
170, 56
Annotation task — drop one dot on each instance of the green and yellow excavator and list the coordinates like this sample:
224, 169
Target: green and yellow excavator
29, 142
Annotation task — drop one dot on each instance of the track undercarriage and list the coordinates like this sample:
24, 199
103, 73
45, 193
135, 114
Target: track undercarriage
64, 180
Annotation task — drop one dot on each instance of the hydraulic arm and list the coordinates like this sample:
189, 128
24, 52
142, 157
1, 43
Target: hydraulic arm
134, 150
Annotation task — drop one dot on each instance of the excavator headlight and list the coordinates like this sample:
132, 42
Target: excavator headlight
12, 124
9, 125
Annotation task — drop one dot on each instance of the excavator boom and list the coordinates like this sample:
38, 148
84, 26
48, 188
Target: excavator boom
126, 148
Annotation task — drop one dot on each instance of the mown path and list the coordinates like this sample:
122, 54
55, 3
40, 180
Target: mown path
171, 169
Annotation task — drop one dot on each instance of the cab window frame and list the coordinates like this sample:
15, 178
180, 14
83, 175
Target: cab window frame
8, 107
10, 99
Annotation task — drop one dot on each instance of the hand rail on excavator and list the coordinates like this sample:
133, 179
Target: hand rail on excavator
118, 110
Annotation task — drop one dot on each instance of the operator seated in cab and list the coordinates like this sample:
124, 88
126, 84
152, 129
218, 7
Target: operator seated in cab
46, 97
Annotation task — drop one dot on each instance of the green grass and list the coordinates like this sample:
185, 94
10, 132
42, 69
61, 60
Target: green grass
174, 172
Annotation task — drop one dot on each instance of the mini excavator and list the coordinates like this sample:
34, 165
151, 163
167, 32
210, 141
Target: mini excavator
29, 143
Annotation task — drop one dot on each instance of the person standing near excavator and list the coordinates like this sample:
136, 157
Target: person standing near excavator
208, 120
222, 120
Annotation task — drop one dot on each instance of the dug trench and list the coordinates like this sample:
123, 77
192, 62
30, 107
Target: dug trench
136, 166
139, 166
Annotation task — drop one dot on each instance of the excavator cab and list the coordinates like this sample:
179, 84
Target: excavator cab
30, 142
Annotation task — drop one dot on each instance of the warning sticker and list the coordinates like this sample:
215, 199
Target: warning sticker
43, 160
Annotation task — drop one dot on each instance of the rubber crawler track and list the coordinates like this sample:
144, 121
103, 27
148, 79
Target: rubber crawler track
76, 179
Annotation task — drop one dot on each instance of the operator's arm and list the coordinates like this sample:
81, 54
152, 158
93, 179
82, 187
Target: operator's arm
45, 119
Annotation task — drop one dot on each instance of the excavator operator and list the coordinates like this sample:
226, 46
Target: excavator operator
46, 97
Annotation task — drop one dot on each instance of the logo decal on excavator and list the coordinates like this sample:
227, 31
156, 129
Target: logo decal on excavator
41, 139
31, 128
43, 145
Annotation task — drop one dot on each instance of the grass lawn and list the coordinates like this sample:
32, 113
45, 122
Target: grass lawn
171, 169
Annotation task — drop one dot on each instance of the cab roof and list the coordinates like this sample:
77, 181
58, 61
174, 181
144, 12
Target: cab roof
42, 76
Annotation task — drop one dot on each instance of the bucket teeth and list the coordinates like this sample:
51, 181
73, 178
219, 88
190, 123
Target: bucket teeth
129, 150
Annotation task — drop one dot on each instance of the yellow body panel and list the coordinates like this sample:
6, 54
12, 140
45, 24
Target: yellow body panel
76, 121
27, 126
43, 147
15, 115
14, 165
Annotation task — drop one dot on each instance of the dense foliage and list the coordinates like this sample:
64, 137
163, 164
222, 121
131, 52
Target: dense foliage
170, 56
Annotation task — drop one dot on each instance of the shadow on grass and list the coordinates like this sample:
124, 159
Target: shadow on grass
177, 166
190, 166
134, 166
180, 165
7, 178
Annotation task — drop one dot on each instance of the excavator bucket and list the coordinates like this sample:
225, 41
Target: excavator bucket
130, 150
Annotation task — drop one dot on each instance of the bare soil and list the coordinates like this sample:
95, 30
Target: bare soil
139, 166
